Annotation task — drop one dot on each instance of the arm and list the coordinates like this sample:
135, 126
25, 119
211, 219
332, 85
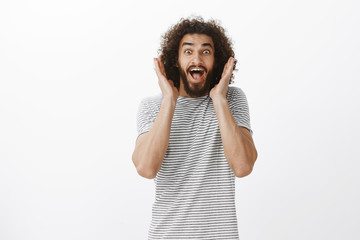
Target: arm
238, 144
239, 148
151, 147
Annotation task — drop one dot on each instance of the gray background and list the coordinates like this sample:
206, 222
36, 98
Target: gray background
72, 74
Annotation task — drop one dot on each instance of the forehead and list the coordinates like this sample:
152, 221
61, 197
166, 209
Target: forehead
196, 39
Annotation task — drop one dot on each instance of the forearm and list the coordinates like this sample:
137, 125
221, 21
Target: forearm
151, 147
238, 145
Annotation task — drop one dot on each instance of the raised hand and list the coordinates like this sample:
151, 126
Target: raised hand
169, 91
220, 89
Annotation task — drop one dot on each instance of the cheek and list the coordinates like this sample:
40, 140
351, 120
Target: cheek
211, 64
183, 66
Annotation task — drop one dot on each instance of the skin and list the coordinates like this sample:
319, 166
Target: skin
150, 148
195, 51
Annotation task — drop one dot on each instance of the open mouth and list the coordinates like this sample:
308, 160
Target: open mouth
197, 73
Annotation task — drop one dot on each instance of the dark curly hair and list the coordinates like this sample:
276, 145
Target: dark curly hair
171, 40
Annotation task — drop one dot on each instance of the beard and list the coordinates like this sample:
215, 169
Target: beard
196, 91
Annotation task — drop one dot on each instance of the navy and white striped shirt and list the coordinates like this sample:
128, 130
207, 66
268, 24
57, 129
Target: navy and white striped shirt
195, 187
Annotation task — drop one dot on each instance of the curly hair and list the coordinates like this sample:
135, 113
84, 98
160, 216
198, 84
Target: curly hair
170, 46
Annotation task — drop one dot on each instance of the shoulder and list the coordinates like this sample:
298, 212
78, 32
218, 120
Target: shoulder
235, 93
152, 100
150, 105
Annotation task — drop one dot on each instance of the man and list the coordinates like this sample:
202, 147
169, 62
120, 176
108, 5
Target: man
195, 137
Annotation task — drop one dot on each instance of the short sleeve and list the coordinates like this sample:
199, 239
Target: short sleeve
145, 117
239, 107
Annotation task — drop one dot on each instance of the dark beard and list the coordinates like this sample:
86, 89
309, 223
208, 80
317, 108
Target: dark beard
196, 92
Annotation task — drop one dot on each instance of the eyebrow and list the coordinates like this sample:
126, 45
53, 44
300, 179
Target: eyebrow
191, 44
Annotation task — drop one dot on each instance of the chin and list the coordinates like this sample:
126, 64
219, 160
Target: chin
197, 89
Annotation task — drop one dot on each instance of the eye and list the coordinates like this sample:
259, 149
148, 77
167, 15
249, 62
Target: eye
206, 51
187, 51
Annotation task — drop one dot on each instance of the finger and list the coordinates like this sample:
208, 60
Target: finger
157, 68
171, 83
162, 67
228, 69
224, 70
230, 65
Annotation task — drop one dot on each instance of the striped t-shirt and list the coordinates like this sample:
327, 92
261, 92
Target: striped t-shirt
195, 187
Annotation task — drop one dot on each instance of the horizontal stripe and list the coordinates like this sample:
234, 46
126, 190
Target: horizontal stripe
195, 187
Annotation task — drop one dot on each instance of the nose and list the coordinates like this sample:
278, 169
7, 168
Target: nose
196, 60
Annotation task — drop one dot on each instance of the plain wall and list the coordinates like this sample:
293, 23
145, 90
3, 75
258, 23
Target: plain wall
72, 74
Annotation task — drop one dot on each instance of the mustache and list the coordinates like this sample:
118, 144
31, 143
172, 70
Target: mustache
197, 66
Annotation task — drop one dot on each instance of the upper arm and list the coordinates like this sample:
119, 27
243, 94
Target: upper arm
247, 134
239, 108
245, 131
140, 139
146, 115
135, 156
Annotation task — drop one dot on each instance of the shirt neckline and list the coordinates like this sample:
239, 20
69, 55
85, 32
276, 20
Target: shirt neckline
193, 98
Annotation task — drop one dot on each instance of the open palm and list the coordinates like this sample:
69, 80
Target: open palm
220, 89
167, 86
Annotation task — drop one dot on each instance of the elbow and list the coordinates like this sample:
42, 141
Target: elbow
243, 171
143, 170
146, 172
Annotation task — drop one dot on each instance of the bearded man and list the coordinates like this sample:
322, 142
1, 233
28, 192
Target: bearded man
195, 137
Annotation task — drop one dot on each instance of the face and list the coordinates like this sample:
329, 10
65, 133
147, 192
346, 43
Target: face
195, 63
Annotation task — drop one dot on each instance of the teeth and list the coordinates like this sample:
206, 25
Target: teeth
196, 69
